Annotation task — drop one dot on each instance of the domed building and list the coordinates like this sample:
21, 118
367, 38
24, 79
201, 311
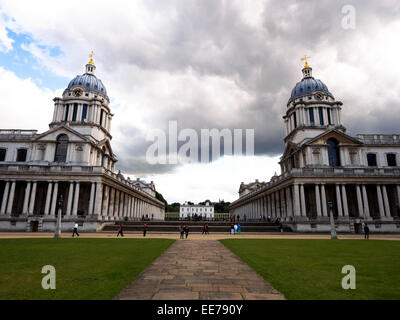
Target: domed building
72, 162
324, 171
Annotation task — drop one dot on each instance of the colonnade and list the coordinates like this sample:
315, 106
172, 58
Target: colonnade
104, 201
290, 201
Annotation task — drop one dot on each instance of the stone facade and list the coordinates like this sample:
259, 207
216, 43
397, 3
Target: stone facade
73, 159
190, 210
321, 164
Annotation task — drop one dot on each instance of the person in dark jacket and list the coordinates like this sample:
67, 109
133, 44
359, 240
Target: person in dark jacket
120, 232
144, 230
366, 231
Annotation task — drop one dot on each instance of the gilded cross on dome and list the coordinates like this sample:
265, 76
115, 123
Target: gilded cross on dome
91, 58
306, 63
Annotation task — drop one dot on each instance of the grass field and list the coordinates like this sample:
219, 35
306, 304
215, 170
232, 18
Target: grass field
85, 268
311, 269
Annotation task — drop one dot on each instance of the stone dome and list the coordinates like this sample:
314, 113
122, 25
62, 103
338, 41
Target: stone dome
90, 83
306, 86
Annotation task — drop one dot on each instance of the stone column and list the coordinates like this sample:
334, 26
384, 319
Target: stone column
303, 201
111, 205
26, 198
339, 201
386, 202
359, 202
289, 208
33, 197
345, 204
54, 200
296, 195
48, 198
273, 204
98, 199
283, 203
105, 201
76, 200
5, 197
70, 196
380, 202
91, 199
318, 200
116, 207
365, 201
11, 198
323, 200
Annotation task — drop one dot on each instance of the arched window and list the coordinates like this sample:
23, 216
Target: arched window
61, 148
333, 152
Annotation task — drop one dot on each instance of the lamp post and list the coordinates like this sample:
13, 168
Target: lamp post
57, 231
333, 229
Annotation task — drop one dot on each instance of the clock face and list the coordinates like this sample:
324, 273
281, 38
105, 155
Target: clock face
77, 92
319, 96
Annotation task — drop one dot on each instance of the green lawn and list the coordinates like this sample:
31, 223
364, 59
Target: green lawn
311, 269
85, 268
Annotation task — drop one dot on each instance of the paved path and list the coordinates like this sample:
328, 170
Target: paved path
199, 269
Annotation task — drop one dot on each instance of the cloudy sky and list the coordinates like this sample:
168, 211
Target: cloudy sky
205, 64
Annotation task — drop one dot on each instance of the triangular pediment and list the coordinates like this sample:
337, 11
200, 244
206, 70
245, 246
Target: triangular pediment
52, 134
105, 143
341, 137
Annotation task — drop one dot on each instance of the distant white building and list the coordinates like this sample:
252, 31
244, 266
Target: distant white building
191, 210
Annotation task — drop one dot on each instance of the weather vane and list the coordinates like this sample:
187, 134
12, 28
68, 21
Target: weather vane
91, 57
306, 63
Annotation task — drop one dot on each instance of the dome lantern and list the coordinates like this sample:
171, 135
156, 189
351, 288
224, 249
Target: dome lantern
90, 67
307, 70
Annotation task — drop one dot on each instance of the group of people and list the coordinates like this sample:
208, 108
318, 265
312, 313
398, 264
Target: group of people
184, 231
236, 228
235, 218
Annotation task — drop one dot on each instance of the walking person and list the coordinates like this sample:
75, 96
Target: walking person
366, 232
182, 231
235, 227
120, 232
204, 231
144, 230
232, 229
239, 228
75, 231
186, 231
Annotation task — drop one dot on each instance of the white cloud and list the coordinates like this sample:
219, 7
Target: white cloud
218, 180
24, 105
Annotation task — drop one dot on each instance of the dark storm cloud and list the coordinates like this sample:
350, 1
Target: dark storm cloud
211, 38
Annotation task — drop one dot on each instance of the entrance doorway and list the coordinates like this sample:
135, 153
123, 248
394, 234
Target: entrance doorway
35, 226
357, 228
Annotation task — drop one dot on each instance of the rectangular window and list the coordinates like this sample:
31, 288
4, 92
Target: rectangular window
391, 159
21, 155
101, 117
295, 119
3, 154
75, 112
66, 112
84, 112
329, 116
371, 159
321, 116
311, 113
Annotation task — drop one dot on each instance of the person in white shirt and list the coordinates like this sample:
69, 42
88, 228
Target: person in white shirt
75, 230
236, 227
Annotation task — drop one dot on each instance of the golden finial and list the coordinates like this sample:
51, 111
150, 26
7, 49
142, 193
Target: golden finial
306, 63
91, 58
